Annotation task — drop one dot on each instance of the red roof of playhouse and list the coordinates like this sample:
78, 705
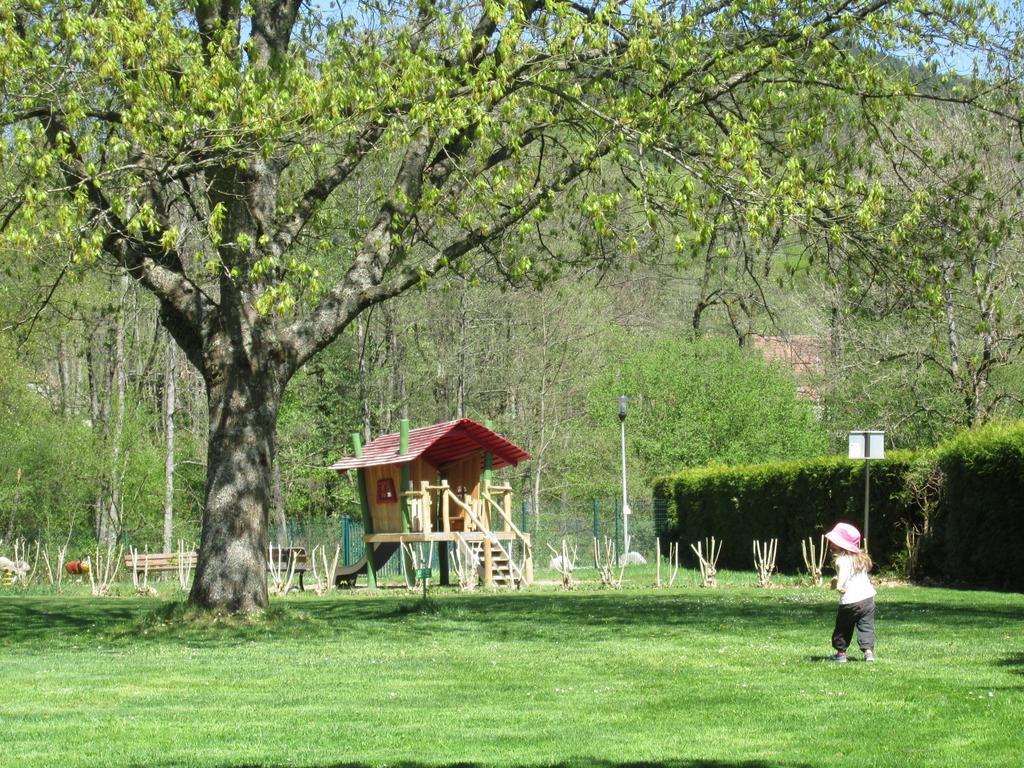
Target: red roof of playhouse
438, 445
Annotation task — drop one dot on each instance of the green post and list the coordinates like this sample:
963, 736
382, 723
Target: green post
488, 460
444, 578
867, 497
346, 540
488, 470
405, 475
442, 551
403, 437
364, 503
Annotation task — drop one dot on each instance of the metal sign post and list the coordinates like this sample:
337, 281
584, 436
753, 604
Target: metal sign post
867, 444
423, 571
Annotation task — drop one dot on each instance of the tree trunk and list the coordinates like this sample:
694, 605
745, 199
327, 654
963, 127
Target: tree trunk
99, 426
362, 334
983, 273
280, 519
115, 513
398, 397
62, 375
231, 572
953, 342
170, 395
460, 387
835, 298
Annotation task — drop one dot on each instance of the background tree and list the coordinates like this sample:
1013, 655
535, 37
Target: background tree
694, 403
934, 331
269, 171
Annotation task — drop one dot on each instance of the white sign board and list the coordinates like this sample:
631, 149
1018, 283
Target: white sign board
867, 444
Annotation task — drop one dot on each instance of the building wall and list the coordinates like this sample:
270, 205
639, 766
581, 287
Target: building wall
387, 515
463, 476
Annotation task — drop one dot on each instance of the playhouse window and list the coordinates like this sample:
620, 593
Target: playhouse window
386, 491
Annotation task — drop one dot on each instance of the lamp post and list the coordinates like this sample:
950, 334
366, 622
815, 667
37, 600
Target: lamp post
623, 400
867, 444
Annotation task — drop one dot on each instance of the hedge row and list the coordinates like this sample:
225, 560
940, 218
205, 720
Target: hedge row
965, 499
976, 531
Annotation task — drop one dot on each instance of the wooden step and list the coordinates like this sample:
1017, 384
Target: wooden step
502, 574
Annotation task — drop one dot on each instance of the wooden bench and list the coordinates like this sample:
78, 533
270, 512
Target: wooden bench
169, 562
282, 562
159, 562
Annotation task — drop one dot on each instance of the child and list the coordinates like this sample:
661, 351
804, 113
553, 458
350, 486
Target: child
856, 595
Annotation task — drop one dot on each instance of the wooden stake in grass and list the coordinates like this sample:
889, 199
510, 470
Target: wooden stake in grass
764, 560
671, 562
281, 578
185, 561
466, 565
21, 555
141, 586
673, 557
657, 547
103, 570
708, 557
814, 559
414, 560
564, 564
35, 567
55, 572
322, 576
605, 564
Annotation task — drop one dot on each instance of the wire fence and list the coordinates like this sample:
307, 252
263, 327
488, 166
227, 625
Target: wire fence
577, 523
343, 531
580, 522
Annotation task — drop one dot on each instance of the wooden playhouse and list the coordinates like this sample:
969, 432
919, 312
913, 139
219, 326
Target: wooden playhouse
434, 485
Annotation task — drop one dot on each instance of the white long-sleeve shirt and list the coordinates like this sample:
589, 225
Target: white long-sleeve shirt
855, 586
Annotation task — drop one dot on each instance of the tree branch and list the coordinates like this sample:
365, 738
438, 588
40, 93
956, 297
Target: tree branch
324, 186
158, 270
364, 285
272, 24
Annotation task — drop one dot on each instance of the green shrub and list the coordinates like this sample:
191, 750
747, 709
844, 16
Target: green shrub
977, 532
963, 503
691, 402
788, 501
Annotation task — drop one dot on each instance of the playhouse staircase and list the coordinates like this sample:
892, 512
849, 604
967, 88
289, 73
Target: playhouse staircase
478, 515
504, 573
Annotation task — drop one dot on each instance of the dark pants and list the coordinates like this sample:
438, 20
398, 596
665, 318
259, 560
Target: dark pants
860, 615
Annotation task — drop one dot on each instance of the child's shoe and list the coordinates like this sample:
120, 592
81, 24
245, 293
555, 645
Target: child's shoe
869, 655
839, 658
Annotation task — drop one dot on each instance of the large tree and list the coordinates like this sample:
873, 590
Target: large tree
268, 170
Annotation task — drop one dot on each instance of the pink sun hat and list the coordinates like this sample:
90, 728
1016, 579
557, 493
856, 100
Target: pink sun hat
845, 536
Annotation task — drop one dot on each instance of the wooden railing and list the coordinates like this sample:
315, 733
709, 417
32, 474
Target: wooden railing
476, 516
419, 507
505, 512
490, 539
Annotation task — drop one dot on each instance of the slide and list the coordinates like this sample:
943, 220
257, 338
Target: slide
345, 575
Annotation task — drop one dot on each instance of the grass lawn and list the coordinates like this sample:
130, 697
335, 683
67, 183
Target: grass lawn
636, 677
